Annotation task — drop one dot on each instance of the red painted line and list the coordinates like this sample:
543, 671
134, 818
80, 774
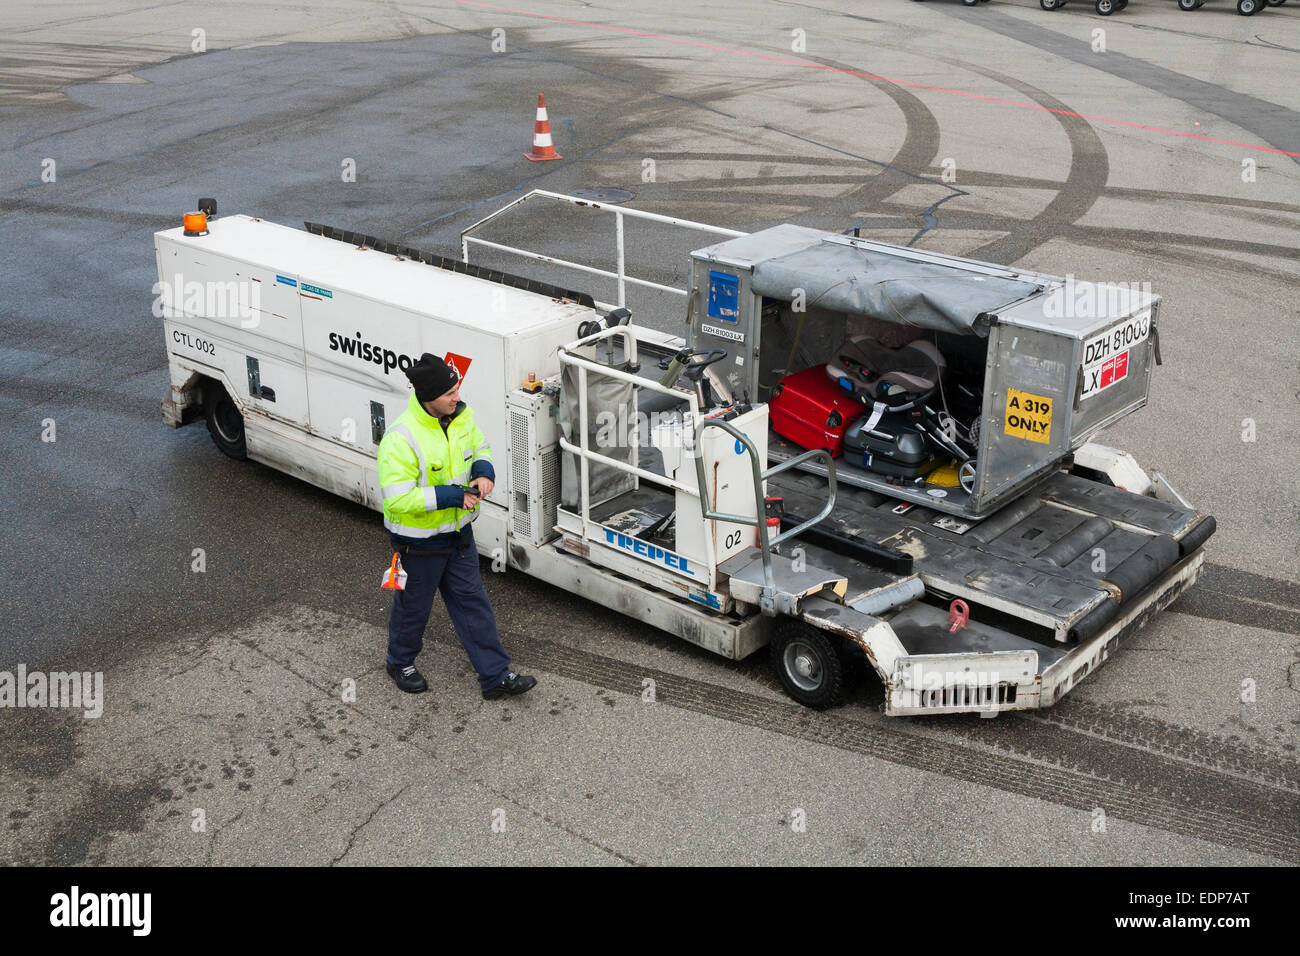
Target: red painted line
870, 76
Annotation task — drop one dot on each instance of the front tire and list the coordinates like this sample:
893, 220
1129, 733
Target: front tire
225, 424
1248, 8
807, 664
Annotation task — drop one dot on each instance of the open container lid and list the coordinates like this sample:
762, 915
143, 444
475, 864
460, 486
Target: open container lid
891, 283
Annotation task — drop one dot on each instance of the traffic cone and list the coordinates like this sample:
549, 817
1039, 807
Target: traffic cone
542, 147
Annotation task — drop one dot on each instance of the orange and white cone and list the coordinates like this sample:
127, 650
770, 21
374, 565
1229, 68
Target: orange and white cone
543, 148
395, 576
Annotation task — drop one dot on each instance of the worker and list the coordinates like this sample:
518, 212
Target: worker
435, 466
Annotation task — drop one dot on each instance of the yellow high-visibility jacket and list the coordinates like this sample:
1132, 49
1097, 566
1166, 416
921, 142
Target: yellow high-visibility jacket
422, 469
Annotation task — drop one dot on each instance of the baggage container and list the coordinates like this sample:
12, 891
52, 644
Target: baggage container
1054, 360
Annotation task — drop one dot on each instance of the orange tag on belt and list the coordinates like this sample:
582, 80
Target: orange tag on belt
394, 576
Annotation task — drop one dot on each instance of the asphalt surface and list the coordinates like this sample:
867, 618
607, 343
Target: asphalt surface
1169, 158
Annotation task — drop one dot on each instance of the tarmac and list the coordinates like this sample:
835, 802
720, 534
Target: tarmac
247, 718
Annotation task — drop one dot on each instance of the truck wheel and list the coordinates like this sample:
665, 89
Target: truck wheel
1047, 4
1188, 4
807, 664
1105, 7
225, 424
1248, 8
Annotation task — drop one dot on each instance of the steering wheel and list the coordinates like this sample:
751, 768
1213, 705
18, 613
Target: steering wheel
693, 367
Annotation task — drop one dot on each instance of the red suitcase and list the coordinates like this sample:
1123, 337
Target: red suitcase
812, 411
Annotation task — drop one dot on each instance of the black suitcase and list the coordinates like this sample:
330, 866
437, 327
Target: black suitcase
892, 445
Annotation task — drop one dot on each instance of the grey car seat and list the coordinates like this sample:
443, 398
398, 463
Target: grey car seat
876, 373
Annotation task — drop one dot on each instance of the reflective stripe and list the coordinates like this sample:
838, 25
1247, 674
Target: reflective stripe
423, 479
430, 499
484, 450
462, 477
400, 488
410, 532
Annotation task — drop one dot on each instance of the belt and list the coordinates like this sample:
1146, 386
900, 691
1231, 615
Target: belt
417, 550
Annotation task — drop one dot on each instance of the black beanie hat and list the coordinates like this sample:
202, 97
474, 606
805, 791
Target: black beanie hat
431, 377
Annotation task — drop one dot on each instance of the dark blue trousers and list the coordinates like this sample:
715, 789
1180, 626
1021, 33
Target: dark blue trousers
456, 575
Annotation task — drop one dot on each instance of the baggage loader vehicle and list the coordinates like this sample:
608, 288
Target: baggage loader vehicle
639, 468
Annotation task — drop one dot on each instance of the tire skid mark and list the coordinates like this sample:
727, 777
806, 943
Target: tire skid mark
1246, 820
1272, 123
1097, 235
1261, 765
1083, 186
918, 151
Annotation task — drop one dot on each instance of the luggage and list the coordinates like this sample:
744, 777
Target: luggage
812, 411
890, 444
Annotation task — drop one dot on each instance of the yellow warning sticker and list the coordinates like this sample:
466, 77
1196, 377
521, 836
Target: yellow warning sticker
1028, 416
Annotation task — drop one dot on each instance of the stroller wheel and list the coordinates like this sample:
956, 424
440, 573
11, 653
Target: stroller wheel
966, 475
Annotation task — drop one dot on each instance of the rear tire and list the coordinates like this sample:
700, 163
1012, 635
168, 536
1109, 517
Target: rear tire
225, 424
807, 664
1248, 8
1188, 4
1105, 7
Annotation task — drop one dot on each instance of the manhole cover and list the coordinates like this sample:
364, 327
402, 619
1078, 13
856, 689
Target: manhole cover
603, 195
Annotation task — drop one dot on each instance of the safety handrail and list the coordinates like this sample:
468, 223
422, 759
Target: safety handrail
620, 275
586, 454
766, 544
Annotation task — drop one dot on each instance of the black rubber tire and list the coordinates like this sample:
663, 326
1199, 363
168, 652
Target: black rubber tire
970, 3
824, 686
1047, 4
1187, 4
225, 424
1248, 8
1104, 8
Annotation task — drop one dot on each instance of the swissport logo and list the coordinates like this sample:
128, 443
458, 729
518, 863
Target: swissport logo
386, 358
368, 352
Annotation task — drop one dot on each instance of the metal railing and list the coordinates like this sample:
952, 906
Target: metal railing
585, 455
620, 274
766, 543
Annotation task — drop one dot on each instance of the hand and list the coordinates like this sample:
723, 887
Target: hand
470, 502
484, 486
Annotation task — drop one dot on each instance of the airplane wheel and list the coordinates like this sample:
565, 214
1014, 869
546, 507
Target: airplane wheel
1188, 4
1105, 7
1248, 8
1048, 4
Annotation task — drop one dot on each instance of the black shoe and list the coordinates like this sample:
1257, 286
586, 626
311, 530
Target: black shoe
513, 685
408, 679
